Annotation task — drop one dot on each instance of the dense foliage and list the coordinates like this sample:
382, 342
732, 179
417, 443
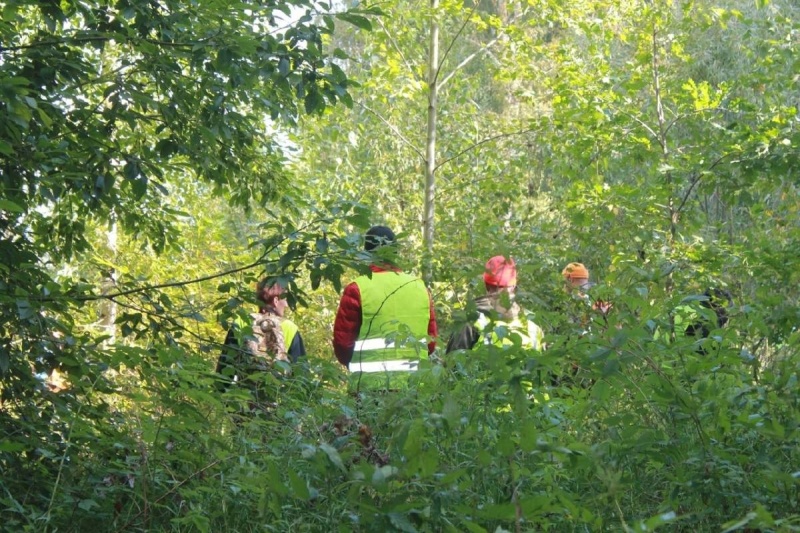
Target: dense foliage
157, 158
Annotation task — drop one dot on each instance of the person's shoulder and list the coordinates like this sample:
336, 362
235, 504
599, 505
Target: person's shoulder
351, 287
398, 272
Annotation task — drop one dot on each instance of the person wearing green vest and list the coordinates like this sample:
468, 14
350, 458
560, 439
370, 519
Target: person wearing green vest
256, 343
499, 315
384, 321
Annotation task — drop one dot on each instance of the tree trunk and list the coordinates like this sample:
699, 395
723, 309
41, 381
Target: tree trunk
430, 144
108, 311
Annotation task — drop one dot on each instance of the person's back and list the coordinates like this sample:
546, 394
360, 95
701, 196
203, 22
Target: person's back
260, 343
394, 309
383, 322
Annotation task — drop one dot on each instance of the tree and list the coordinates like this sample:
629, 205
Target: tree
449, 87
108, 110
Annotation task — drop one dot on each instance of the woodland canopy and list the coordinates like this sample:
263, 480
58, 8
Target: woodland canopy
159, 157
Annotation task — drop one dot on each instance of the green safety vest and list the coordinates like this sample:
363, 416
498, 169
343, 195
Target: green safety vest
531, 335
395, 311
289, 330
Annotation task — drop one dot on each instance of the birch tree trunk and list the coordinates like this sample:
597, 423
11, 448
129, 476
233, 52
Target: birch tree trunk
430, 144
108, 312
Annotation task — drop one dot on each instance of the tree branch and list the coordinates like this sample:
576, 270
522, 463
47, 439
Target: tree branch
467, 60
696, 180
394, 130
170, 320
452, 42
399, 51
662, 138
641, 123
481, 142
95, 38
475, 54
95, 297
687, 115
54, 42
174, 489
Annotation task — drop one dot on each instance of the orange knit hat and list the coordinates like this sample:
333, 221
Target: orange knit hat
500, 272
575, 271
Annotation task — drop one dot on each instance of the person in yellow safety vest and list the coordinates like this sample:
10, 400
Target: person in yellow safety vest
384, 320
499, 315
270, 337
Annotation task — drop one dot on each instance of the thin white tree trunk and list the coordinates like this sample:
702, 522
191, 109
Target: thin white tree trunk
430, 144
109, 307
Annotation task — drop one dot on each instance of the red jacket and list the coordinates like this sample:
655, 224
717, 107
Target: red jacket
348, 321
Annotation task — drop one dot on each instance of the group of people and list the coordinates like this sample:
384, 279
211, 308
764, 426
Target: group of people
386, 320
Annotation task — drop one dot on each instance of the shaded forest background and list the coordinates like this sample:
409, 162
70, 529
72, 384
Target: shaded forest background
157, 158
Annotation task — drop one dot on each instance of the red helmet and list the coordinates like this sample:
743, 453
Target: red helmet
500, 272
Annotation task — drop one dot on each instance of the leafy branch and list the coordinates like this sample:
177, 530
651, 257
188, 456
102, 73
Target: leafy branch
394, 130
78, 40
260, 261
484, 49
96, 297
696, 179
484, 141
453, 42
173, 490
397, 49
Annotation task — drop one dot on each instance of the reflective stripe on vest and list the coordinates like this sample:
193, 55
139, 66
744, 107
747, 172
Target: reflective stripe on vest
393, 305
380, 344
399, 365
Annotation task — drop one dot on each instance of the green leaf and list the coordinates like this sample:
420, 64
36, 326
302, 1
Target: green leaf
315, 276
24, 309
298, 485
472, 527
87, 505
735, 525
413, 443
503, 511
273, 481
314, 101
601, 353
132, 170
401, 522
283, 67
333, 455
380, 475
356, 20
8, 446
6, 148
8, 205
